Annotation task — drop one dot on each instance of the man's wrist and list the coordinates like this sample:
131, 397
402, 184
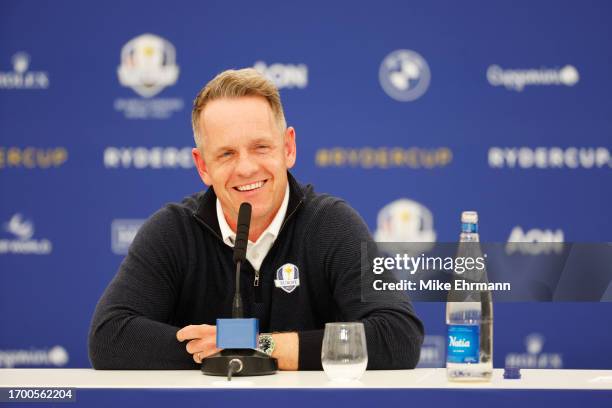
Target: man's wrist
286, 350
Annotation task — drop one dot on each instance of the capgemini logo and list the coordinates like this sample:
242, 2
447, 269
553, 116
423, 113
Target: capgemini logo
518, 79
404, 75
55, 356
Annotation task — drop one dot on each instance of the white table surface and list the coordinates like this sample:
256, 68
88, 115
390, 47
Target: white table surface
419, 378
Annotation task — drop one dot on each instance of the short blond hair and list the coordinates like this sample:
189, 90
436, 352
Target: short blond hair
233, 84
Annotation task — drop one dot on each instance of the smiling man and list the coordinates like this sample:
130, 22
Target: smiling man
304, 253
245, 156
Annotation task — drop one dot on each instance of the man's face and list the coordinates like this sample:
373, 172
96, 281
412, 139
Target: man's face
245, 156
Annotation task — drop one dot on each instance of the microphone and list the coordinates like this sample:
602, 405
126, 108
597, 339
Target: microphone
242, 232
237, 337
240, 249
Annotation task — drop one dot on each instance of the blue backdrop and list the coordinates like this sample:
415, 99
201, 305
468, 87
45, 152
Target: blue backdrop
500, 107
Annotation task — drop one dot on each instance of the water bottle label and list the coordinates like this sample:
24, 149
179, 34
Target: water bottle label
463, 344
469, 227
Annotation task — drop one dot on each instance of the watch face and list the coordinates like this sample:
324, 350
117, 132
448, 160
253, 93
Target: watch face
266, 344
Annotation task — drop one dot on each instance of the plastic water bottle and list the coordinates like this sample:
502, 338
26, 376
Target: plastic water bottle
469, 315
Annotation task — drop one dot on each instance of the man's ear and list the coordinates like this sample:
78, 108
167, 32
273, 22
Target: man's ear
198, 159
290, 147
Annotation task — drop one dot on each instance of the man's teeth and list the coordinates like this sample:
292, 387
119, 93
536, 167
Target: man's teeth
250, 187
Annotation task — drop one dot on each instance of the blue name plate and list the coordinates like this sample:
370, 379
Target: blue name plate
237, 333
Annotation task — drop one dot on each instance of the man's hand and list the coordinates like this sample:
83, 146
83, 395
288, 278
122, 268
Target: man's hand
202, 340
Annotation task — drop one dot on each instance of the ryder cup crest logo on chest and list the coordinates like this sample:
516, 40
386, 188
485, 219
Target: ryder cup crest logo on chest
287, 277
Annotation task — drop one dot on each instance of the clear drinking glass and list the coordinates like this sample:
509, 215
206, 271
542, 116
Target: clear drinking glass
344, 354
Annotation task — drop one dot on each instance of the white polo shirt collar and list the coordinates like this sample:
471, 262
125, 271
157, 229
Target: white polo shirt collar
256, 252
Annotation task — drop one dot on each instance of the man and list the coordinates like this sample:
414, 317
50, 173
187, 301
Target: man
304, 253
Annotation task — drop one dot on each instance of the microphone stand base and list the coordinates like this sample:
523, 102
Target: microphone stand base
253, 362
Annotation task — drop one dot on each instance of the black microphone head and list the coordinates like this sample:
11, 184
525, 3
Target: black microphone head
242, 232
244, 215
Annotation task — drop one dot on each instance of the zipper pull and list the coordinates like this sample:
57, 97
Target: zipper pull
256, 282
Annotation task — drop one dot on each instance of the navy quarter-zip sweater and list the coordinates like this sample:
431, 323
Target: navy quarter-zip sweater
179, 271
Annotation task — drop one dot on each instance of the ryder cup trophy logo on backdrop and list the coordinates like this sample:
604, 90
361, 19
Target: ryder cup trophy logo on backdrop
404, 221
148, 66
404, 75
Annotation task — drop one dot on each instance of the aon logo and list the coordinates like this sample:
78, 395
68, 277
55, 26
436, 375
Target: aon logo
535, 241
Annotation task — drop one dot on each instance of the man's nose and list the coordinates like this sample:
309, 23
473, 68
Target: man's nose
246, 165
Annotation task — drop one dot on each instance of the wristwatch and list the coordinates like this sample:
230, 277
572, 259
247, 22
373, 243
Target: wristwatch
265, 343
